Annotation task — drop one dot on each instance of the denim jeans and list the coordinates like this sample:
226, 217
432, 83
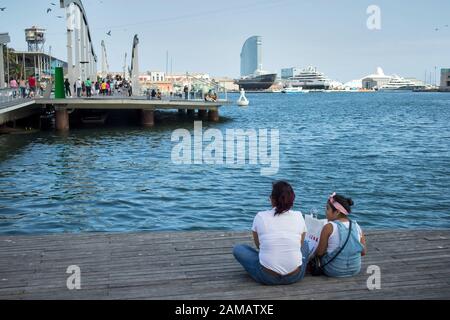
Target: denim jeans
248, 257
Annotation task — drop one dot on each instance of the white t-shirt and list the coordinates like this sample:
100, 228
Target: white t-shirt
279, 238
335, 239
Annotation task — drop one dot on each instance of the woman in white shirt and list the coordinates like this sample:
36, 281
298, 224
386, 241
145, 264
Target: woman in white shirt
278, 234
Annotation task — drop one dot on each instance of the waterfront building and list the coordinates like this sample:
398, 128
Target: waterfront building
445, 80
156, 80
376, 80
41, 64
227, 83
251, 56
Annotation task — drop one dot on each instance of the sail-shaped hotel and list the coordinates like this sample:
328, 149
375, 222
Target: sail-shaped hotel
252, 75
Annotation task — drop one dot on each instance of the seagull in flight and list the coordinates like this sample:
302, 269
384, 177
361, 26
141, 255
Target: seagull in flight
59, 17
52, 4
48, 10
109, 33
3, 9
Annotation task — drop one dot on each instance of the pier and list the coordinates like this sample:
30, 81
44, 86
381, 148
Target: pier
22, 108
414, 264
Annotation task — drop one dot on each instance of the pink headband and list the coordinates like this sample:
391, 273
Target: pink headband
337, 205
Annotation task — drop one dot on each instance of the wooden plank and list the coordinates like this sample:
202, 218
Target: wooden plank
200, 265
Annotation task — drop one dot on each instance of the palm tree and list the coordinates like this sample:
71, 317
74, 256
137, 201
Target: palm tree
15, 70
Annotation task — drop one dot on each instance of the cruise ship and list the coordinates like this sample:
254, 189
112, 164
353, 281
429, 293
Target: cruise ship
400, 84
310, 79
252, 75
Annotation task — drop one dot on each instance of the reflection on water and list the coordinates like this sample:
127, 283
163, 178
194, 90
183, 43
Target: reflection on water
389, 152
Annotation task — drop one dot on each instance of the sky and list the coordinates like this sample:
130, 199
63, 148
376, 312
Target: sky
207, 36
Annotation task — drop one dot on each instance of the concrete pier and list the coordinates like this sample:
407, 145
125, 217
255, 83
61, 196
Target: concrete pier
213, 115
62, 119
24, 108
148, 118
203, 114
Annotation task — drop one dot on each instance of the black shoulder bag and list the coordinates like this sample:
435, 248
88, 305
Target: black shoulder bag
316, 268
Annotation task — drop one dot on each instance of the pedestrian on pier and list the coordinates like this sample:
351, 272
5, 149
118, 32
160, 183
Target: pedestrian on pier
88, 85
67, 88
97, 88
14, 86
79, 87
83, 89
23, 88
186, 92
32, 85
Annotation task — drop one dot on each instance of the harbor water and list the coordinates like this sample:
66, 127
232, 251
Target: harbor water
390, 152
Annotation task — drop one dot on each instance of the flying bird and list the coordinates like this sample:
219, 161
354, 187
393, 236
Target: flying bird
52, 4
109, 33
59, 17
48, 10
437, 29
3, 9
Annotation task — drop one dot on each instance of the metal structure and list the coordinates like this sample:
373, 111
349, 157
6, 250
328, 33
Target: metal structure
105, 65
35, 38
135, 67
81, 56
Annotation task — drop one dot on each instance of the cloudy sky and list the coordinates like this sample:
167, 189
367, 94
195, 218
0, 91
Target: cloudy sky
207, 36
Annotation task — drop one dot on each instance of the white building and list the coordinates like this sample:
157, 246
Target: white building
445, 80
153, 76
376, 80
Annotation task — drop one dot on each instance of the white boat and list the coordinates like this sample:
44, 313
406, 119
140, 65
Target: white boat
294, 90
399, 84
310, 79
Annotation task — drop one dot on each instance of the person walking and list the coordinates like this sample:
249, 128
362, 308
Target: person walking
23, 88
103, 88
79, 87
14, 86
88, 85
67, 88
32, 85
186, 92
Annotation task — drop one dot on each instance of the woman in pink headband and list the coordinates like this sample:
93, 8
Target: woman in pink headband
342, 242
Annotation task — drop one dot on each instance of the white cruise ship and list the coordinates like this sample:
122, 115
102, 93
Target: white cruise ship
310, 79
400, 84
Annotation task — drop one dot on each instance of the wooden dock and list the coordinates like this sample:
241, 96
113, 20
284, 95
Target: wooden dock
200, 265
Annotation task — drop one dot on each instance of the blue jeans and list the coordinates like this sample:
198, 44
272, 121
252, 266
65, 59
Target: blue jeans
248, 257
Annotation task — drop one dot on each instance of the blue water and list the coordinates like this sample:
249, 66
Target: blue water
390, 152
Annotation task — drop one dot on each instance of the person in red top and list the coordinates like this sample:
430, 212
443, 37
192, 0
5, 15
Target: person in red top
32, 84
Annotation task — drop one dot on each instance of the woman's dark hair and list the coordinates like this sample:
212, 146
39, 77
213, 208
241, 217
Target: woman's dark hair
347, 203
283, 197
